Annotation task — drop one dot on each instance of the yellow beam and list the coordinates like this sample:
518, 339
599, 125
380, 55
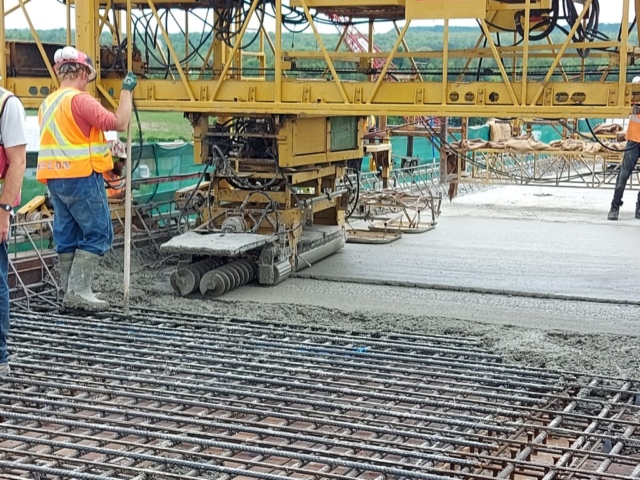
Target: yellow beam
68, 14
277, 54
498, 60
234, 50
14, 8
485, 52
406, 49
445, 61
574, 99
624, 42
86, 41
525, 52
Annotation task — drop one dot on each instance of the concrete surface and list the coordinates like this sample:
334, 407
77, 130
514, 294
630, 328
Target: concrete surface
547, 204
513, 240
534, 313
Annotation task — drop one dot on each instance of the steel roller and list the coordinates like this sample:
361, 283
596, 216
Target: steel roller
186, 280
227, 277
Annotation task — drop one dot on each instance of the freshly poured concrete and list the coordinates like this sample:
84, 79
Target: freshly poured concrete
501, 242
500, 310
544, 280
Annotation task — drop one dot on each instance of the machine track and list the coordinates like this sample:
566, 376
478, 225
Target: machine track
164, 396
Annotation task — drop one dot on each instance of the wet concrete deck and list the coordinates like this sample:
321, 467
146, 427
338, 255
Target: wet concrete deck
492, 243
501, 255
514, 244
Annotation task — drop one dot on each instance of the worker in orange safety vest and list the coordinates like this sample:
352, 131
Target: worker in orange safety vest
73, 156
629, 162
113, 178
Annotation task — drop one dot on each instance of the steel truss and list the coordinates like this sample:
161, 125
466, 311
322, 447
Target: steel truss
220, 83
550, 169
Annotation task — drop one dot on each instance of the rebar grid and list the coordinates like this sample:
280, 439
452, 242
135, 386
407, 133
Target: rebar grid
163, 396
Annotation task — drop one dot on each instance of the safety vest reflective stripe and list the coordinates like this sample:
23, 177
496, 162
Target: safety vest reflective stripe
72, 153
48, 110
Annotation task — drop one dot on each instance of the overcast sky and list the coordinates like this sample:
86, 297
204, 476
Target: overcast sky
48, 14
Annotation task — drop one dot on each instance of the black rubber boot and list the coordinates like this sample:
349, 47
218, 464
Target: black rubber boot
613, 213
637, 209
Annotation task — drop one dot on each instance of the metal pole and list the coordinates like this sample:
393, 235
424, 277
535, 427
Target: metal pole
86, 25
127, 203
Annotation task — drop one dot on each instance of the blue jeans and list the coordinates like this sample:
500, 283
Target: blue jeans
4, 302
81, 220
626, 169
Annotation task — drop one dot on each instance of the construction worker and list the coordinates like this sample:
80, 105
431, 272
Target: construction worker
113, 178
629, 162
13, 162
73, 156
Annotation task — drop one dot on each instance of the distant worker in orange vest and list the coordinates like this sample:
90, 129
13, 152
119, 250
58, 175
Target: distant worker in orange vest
629, 162
113, 178
73, 156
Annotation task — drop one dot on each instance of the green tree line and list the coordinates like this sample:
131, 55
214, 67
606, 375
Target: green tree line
155, 51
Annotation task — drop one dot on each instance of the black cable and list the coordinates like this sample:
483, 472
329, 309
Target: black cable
550, 22
357, 199
133, 102
584, 33
598, 140
183, 210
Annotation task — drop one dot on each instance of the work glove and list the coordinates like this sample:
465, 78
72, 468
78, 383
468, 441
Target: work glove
129, 82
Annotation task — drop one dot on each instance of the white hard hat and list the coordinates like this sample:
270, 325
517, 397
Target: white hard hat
70, 55
118, 149
635, 80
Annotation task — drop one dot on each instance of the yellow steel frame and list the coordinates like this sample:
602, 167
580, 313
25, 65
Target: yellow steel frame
541, 168
228, 92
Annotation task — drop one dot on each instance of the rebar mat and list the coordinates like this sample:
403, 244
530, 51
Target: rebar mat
165, 396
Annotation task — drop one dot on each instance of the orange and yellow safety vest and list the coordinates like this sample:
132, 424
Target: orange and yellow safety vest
66, 152
115, 184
